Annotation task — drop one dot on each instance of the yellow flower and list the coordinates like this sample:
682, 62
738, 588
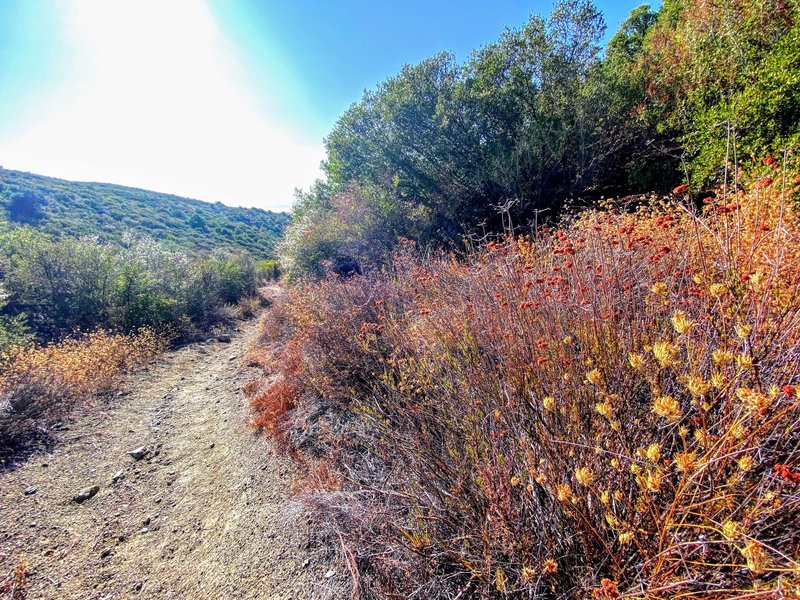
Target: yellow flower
744, 361
653, 452
756, 278
667, 407
681, 322
666, 353
612, 520
653, 480
615, 463
515, 480
549, 403
626, 537
686, 461
743, 331
717, 289
721, 357
659, 288
635, 360
717, 380
605, 409
618, 496
752, 399
528, 573
594, 377
730, 529
698, 386
745, 462
635, 469
584, 476
563, 492
605, 497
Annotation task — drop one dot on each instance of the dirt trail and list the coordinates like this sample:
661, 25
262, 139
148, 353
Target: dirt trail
207, 514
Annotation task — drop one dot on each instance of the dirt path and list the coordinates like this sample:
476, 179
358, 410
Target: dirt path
207, 513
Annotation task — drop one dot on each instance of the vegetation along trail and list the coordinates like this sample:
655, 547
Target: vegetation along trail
205, 513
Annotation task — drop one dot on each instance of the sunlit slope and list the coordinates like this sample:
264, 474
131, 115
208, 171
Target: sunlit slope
110, 211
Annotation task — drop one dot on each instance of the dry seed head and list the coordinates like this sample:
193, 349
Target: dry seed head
681, 322
594, 377
626, 537
605, 409
635, 360
653, 452
730, 529
584, 476
717, 290
666, 353
698, 386
721, 357
756, 557
686, 461
667, 407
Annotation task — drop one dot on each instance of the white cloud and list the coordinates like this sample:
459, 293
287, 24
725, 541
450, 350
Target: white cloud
156, 99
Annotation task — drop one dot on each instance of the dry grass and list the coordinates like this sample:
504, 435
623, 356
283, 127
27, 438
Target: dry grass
39, 384
604, 410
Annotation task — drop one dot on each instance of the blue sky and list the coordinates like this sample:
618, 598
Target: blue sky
223, 100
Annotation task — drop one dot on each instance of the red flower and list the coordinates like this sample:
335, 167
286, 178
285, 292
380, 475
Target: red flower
681, 189
787, 474
764, 182
790, 391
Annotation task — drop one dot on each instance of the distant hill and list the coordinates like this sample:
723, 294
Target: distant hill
74, 208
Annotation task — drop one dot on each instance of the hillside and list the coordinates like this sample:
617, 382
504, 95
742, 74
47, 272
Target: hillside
109, 211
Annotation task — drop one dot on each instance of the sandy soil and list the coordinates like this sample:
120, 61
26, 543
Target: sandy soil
208, 513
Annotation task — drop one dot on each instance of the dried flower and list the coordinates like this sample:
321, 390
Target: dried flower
594, 377
667, 407
635, 360
653, 452
698, 386
584, 476
666, 353
605, 409
681, 322
686, 461
730, 529
756, 557
717, 290
721, 357
550, 567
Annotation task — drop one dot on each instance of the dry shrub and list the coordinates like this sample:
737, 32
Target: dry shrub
604, 410
39, 384
248, 308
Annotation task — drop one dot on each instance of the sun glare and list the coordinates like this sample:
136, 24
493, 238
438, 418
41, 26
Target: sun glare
156, 98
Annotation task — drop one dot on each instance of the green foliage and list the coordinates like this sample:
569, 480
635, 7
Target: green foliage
65, 208
268, 270
59, 285
725, 77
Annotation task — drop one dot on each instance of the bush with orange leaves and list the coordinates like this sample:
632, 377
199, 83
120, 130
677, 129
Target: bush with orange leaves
39, 384
608, 410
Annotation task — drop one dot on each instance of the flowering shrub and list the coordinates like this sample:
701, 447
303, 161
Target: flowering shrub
38, 384
605, 410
